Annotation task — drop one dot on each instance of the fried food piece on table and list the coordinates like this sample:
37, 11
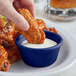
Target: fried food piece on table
4, 62
51, 29
33, 35
41, 24
4, 42
13, 53
5, 66
8, 35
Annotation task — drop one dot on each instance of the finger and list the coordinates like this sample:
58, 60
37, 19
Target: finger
17, 4
15, 17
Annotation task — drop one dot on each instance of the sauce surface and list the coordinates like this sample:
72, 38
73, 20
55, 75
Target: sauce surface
47, 43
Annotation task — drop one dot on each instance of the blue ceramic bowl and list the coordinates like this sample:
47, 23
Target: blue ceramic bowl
40, 57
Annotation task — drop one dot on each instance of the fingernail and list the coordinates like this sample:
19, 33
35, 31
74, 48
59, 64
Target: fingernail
25, 27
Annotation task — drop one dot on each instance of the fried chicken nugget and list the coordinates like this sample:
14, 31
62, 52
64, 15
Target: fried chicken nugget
5, 66
41, 24
6, 35
4, 62
33, 35
13, 53
51, 29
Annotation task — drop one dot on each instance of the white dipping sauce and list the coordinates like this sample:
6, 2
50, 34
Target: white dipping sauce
47, 43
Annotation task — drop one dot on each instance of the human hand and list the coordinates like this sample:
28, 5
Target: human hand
8, 9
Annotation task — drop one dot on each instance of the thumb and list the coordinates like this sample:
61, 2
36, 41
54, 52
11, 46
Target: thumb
15, 17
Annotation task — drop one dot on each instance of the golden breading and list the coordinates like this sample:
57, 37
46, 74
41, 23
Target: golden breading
4, 62
5, 66
13, 53
41, 24
8, 35
33, 35
51, 29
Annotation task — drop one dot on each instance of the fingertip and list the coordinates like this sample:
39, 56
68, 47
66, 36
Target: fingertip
21, 22
25, 27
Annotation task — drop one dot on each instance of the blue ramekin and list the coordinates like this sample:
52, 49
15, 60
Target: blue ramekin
40, 57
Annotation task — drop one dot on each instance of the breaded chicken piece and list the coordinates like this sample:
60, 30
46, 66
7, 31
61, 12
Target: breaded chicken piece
41, 24
4, 62
5, 66
8, 35
33, 35
13, 53
51, 29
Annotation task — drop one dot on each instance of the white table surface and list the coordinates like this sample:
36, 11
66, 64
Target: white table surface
69, 26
